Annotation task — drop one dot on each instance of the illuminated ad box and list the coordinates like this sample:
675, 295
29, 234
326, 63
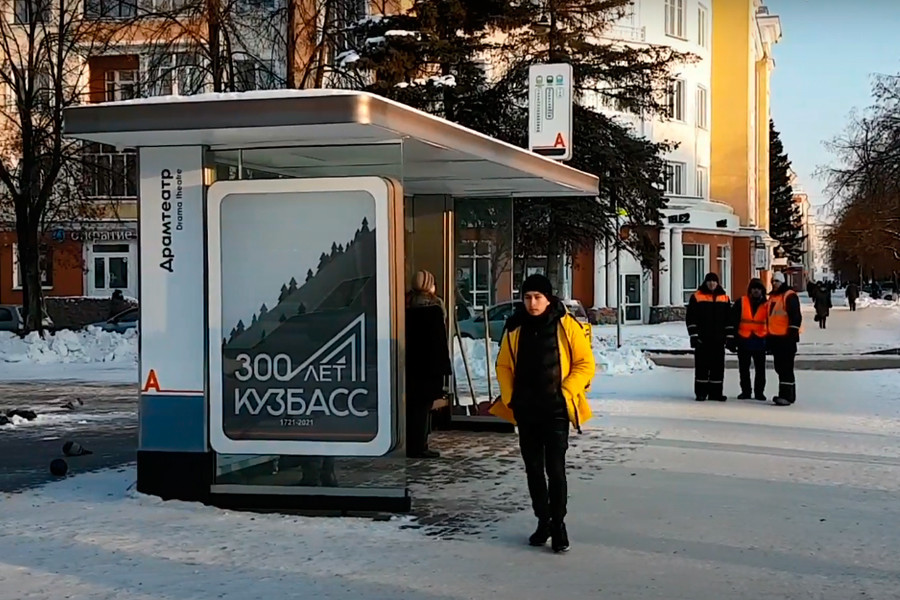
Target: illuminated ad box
302, 325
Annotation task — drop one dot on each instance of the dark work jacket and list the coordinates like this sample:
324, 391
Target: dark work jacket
752, 343
427, 353
537, 390
709, 316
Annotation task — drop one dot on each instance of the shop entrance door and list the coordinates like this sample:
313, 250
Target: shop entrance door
632, 300
109, 269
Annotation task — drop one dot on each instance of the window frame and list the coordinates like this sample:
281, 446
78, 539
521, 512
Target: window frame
723, 264
703, 26
46, 272
677, 100
702, 259
702, 116
27, 12
676, 19
114, 93
675, 186
110, 10
702, 182
127, 170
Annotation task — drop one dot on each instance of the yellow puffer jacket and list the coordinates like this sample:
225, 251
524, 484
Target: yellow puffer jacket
576, 364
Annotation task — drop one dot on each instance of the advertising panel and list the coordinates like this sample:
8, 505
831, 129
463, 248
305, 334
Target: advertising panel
300, 332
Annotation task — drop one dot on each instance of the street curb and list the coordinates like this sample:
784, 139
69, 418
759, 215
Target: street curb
824, 362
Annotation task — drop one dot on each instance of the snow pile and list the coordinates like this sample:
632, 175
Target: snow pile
91, 345
347, 58
435, 80
866, 301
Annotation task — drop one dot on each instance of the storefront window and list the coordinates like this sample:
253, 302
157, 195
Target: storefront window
695, 259
46, 263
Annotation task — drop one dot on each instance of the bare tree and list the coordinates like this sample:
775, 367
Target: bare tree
45, 46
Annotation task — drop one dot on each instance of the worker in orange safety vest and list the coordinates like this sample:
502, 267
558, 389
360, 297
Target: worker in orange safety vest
709, 325
784, 323
749, 318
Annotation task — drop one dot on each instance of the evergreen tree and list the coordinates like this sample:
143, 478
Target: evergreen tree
309, 275
263, 310
785, 215
283, 294
301, 310
365, 225
433, 56
292, 286
282, 318
240, 327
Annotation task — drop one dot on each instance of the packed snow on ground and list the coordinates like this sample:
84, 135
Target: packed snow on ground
87, 355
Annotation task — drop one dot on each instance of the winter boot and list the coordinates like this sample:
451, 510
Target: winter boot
540, 535
560, 537
744, 396
760, 396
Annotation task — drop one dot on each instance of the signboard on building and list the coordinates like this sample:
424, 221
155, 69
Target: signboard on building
172, 271
550, 110
300, 317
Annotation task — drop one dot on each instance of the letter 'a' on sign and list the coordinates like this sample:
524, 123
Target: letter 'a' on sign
300, 341
550, 110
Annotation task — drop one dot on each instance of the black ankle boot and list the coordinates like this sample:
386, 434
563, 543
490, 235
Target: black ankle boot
560, 537
540, 535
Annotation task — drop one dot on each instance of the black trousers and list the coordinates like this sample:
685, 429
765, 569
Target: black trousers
543, 446
853, 305
418, 425
822, 321
709, 370
784, 366
758, 358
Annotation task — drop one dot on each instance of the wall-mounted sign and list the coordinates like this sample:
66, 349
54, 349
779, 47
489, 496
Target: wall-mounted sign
550, 110
300, 317
680, 218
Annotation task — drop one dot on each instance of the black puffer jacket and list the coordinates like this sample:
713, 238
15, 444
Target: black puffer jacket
537, 391
709, 316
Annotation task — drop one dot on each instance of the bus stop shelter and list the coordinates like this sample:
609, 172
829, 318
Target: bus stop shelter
278, 233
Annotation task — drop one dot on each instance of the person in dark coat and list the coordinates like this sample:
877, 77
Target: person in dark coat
117, 304
427, 362
822, 305
709, 324
785, 320
852, 295
749, 319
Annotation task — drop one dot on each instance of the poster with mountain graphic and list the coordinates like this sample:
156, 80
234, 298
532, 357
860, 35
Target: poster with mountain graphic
299, 315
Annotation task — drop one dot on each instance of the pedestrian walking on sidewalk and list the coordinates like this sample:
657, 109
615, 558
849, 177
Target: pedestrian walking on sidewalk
784, 326
822, 303
709, 324
749, 317
544, 368
852, 296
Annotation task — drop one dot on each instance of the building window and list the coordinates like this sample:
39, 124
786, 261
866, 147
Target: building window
675, 178
121, 85
702, 182
46, 265
109, 174
703, 27
26, 12
110, 9
694, 262
177, 74
474, 273
251, 74
675, 100
675, 18
723, 262
702, 107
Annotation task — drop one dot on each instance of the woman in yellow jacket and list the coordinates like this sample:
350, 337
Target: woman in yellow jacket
544, 367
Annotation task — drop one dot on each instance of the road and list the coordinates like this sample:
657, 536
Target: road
106, 424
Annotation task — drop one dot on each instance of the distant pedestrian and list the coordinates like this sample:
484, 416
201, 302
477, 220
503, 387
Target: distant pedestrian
117, 303
544, 368
852, 296
709, 323
750, 321
822, 304
784, 325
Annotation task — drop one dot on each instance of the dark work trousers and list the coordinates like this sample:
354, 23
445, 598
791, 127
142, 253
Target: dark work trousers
709, 370
544, 446
822, 321
853, 305
784, 366
758, 358
418, 425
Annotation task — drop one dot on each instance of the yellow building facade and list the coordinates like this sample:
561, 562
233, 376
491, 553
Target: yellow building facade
744, 33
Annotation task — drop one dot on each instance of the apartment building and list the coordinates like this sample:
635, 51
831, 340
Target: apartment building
717, 175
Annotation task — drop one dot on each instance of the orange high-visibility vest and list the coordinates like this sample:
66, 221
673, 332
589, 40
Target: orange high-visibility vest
779, 323
752, 323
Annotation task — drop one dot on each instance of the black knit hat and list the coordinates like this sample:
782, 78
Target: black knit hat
537, 283
711, 277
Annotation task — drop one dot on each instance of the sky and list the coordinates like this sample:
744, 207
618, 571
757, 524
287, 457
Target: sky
824, 65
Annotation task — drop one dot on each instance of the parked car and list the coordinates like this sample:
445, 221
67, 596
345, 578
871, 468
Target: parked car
474, 327
12, 319
122, 322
